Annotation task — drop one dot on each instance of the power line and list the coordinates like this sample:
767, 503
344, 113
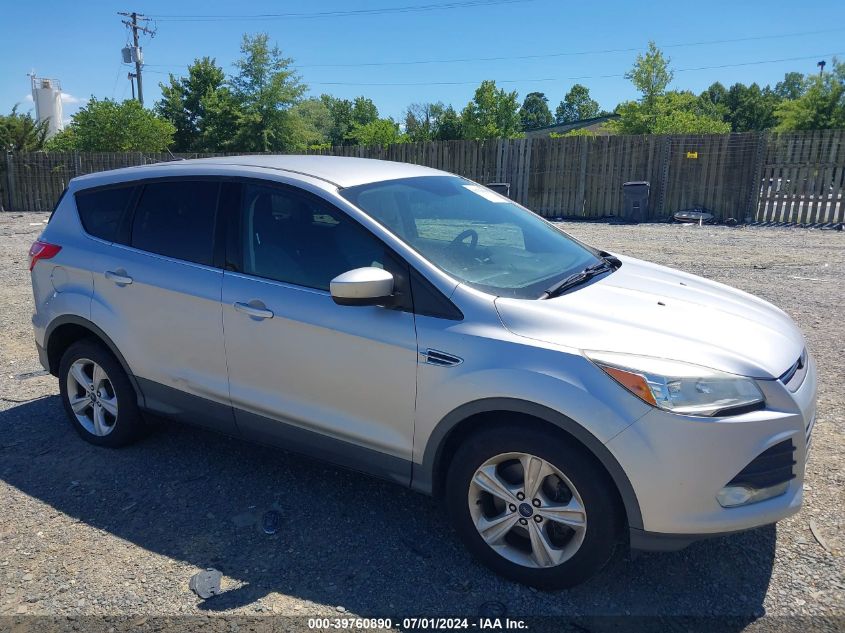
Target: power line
543, 79
567, 53
338, 13
546, 55
116, 77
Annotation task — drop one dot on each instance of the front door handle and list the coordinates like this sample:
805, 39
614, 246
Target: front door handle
253, 311
120, 277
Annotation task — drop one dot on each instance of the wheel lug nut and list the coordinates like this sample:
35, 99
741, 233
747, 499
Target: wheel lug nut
538, 518
523, 521
520, 496
512, 508
536, 503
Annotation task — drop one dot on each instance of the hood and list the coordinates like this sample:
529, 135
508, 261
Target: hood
653, 310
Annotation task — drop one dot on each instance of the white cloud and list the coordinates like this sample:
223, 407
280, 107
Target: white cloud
68, 98
28, 97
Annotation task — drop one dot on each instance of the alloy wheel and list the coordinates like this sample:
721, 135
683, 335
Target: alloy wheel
527, 510
92, 397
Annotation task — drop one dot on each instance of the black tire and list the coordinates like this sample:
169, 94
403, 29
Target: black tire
596, 489
129, 424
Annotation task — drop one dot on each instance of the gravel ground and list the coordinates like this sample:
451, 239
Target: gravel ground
87, 531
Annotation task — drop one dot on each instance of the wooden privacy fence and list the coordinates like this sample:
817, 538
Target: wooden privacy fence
757, 176
33, 181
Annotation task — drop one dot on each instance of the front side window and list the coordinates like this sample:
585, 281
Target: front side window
472, 233
296, 239
101, 210
176, 219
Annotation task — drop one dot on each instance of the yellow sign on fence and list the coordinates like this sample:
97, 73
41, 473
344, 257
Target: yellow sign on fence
692, 154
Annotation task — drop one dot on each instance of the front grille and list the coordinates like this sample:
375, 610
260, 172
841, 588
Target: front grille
771, 467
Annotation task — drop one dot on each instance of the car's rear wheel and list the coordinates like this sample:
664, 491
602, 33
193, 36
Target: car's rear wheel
533, 506
97, 395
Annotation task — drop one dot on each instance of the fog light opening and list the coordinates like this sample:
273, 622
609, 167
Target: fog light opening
735, 496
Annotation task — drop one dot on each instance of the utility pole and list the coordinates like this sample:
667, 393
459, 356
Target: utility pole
131, 78
821, 66
132, 23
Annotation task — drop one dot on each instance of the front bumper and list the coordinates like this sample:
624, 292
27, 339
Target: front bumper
657, 542
678, 464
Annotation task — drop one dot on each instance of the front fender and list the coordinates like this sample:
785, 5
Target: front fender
575, 396
423, 473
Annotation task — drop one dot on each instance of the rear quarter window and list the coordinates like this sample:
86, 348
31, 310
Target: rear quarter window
101, 210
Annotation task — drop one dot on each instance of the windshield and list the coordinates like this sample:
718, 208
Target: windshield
474, 234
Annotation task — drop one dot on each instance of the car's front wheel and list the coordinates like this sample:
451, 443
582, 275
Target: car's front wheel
533, 506
97, 395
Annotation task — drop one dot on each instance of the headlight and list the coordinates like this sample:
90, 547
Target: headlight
676, 386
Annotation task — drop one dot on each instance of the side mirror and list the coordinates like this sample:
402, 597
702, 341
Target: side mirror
362, 287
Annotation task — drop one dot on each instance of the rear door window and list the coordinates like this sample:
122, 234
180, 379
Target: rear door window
101, 210
177, 219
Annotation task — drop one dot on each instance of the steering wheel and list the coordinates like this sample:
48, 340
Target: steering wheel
460, 239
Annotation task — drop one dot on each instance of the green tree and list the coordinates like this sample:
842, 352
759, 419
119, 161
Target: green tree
651, 74
576, 132
266, 88
111, 126
669, 113
821, 107
423, 120
492, 113
793, 86
576, 105
341, 114
221, 123
662, 112
185, 100
364, 111
346, 114
750, 107
382, 132
535, 111
715, 99
64, 141
312, 123
681, 113
450, 127
21, 133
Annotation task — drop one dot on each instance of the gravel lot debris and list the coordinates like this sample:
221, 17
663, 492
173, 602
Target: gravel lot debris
86, 531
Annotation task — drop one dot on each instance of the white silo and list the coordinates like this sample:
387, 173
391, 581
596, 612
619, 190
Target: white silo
47, 96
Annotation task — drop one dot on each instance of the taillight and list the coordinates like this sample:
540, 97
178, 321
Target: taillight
41, 250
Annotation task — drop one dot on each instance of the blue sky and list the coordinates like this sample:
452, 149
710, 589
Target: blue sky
79, 43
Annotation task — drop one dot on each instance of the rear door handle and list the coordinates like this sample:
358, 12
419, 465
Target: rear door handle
121, 279
253, 311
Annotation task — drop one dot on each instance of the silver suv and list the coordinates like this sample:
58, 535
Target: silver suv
417, 326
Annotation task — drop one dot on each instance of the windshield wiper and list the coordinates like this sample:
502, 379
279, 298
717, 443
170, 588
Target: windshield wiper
576, 279
610, 259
